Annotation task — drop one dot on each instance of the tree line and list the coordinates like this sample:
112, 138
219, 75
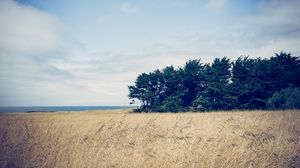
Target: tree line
246, 83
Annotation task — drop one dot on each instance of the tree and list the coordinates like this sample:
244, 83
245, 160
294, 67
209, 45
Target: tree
141, 91
243, 84
215, 93
256, 80
149, 88
172, 97
248, 84
285, 70
191, 76
171, 80
156, 89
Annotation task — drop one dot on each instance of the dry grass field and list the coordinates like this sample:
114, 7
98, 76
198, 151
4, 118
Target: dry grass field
118, 138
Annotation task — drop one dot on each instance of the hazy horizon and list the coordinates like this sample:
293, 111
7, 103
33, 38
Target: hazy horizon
86, 53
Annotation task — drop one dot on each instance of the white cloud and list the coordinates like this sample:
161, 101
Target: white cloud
216, 6
27, 30
29, 38
102, 19
279, 17
276, 27
38, 66
273, 27
129, 8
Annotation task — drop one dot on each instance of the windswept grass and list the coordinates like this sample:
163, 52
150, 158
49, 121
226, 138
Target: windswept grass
122, 139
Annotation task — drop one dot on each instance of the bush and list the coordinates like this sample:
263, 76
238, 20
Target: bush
288, 98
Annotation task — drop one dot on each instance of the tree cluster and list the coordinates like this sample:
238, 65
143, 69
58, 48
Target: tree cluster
245, 83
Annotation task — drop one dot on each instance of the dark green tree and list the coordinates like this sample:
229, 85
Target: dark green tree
172, 97
285, 70
215, 93
243, 84
149, 89
156, 88
248, 84
141, 91
191, 76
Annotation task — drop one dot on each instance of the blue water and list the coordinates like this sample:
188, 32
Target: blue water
58, 108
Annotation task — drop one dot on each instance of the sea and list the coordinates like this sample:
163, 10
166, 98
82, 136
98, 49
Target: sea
10, 109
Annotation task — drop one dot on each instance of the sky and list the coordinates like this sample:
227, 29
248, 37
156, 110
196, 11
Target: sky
74, 52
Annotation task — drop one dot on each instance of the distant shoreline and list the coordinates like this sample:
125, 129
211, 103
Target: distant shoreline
34, 109
39, 111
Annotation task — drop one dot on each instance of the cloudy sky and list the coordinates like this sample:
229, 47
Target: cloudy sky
75, 52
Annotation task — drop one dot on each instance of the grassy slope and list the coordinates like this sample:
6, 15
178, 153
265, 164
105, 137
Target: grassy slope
120, 139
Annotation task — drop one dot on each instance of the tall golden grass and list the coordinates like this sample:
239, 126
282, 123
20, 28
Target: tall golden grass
118, 138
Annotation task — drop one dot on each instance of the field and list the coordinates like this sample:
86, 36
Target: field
117, 138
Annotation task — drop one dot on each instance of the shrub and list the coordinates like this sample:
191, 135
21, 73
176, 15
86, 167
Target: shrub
288, 98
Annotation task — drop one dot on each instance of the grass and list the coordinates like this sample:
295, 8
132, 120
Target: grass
117, 138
